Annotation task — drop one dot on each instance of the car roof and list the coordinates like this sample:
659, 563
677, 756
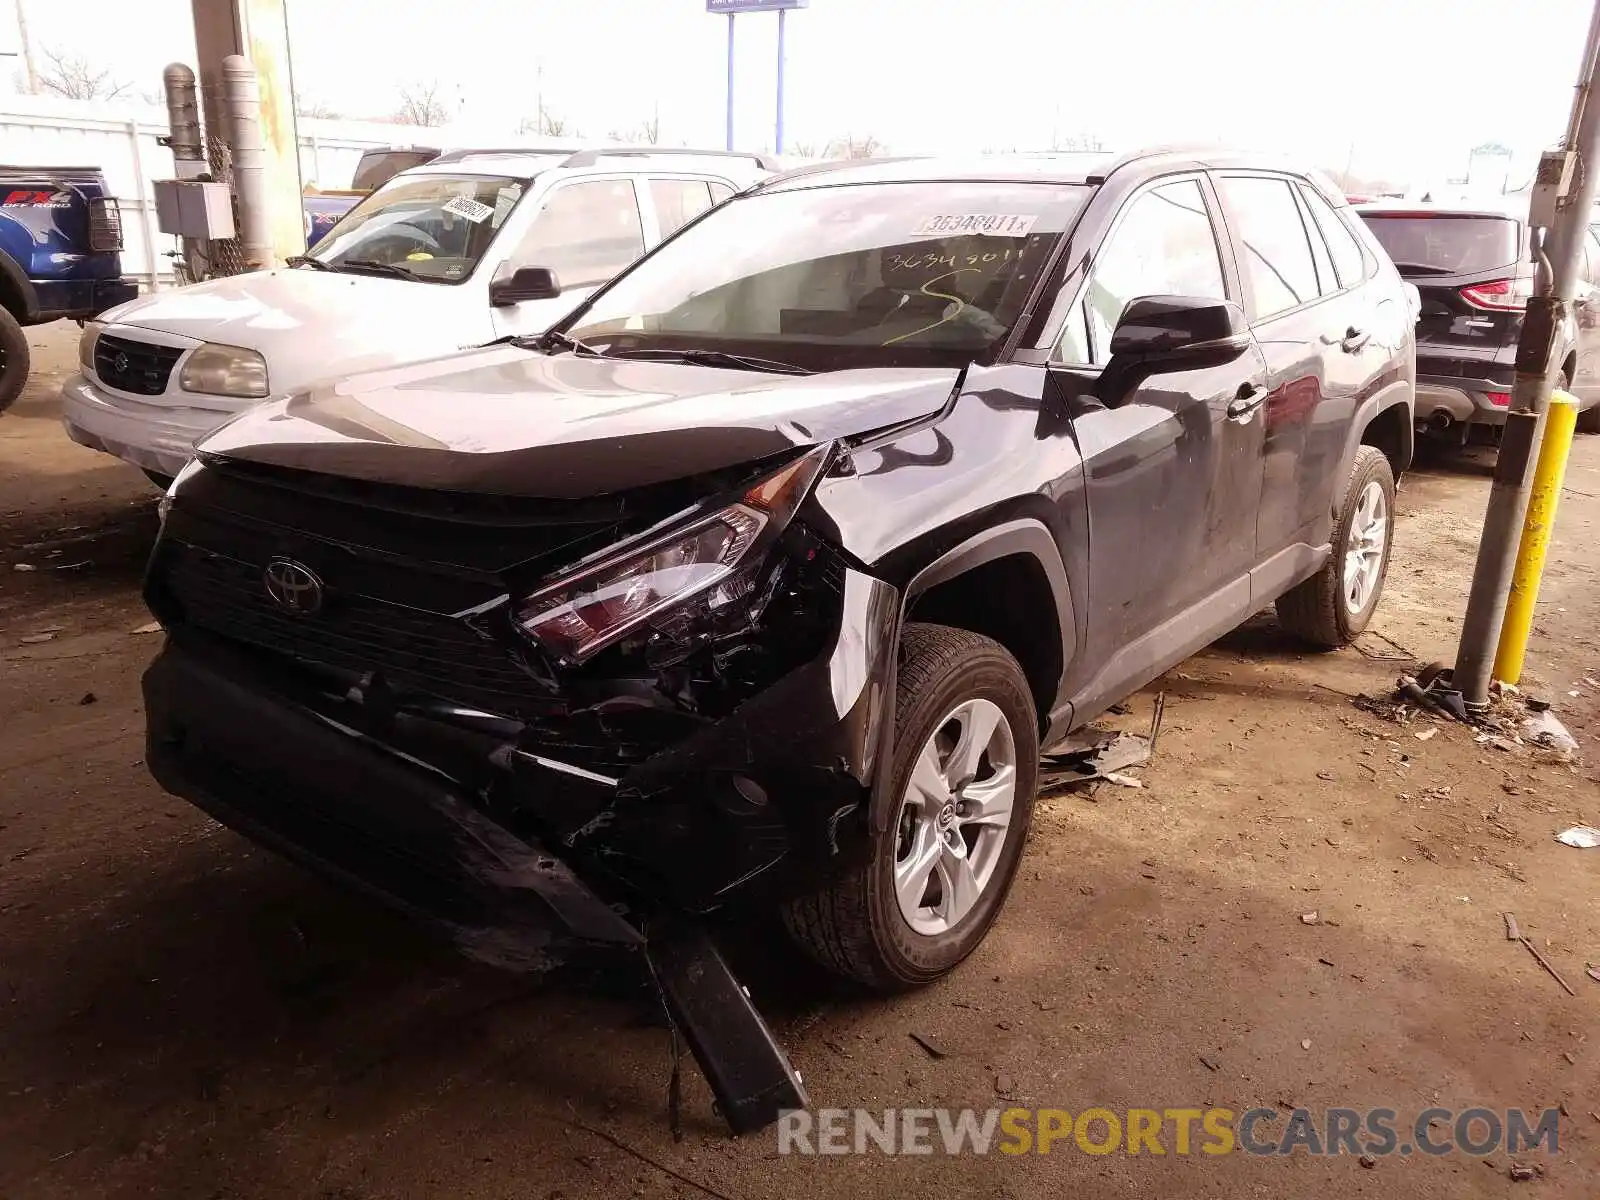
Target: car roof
1067, 167
522, 162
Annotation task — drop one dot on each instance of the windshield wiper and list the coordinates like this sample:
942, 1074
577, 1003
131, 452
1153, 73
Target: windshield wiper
1423, 268
712, 358
554, 339
377, 268
305, 260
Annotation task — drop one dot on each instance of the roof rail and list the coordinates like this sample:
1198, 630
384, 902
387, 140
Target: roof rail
1133, 156
461, 153
590, 158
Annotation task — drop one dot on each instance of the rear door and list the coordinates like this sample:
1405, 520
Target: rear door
676, 200
1314, 334
1474, 278
586, 231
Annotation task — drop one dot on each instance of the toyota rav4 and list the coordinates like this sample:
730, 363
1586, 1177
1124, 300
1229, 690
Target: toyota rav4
762, 579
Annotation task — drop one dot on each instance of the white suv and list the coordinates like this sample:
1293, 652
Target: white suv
473, 246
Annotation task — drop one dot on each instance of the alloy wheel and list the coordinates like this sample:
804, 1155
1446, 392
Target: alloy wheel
954, 817
1365, 546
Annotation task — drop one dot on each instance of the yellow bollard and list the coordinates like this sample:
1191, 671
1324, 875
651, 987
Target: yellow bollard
1559, 423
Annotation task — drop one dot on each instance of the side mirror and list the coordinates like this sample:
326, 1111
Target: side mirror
1162, 331
525, 283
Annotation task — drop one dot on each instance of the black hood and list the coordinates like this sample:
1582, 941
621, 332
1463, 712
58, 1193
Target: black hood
513, 422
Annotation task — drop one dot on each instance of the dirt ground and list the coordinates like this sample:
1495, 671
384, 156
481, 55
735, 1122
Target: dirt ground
184, 1015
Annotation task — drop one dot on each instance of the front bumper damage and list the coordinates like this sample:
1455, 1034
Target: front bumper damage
529, 849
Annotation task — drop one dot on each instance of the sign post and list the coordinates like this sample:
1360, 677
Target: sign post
732, 8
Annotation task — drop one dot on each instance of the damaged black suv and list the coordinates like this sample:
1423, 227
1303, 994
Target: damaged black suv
763, 578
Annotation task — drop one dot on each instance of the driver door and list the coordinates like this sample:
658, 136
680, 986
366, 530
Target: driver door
585, 231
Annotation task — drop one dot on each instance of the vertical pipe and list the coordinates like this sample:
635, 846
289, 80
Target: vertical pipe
183, 120
241, 98
730, 81
1536, 531
146, 202
29, 65
1548, 310
777, 147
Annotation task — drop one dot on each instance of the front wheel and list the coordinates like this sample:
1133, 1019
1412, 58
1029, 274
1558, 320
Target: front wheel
964, 771
13, 359
1334, 606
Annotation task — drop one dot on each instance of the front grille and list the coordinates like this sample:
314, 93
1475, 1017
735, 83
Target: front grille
137, 367
412, 649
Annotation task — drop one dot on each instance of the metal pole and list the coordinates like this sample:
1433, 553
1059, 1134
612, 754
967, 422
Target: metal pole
777, 147
242, 101
730, 81
28, 64
146, 218
1548, 309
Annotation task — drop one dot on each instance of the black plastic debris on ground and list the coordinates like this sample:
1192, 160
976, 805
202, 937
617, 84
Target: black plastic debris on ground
1092, 753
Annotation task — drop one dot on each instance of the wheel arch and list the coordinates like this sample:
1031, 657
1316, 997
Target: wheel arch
17, 294
1386, 420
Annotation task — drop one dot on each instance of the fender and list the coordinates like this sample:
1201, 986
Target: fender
18, 284
1025, 536
1393, 394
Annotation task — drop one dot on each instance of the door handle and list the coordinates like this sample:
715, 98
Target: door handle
1246, 400
1353, 339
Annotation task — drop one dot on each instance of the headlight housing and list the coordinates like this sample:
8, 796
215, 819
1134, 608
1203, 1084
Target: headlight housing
225, 371
599, 604
86, 343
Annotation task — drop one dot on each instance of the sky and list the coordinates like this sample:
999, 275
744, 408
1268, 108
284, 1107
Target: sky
1394, 88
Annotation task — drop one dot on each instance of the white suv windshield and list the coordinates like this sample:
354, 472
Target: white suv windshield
433, 228
833, 277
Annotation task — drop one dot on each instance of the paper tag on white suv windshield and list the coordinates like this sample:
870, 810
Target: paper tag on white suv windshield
1014, 225
466, 206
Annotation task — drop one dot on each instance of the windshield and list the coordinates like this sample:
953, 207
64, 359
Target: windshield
833, 277
1443, 244
434, 227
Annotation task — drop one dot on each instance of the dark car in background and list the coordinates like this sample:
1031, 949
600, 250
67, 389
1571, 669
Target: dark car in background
760, 581
1472, 265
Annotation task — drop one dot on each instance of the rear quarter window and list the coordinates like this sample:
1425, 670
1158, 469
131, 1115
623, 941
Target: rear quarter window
1445, 244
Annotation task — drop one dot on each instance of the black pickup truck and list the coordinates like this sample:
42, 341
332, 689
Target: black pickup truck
60, 256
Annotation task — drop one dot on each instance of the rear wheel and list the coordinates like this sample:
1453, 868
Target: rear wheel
963, 776
1335, 605
13, 359
1589, 419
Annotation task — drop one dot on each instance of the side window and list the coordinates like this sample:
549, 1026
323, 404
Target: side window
1327, 281
1164, 245
679, 201
1347, 257
719, 191
1272, 242
586, 232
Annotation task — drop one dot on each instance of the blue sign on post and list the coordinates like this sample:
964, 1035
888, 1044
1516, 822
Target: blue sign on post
731, 8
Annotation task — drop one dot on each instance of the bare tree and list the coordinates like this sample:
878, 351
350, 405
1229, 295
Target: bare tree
805, 149
306, 107
851, 146
1076, 141
646, 133
72, 76
421, 104
547, 123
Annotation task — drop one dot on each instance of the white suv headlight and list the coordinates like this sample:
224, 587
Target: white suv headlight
225, 371
86, 340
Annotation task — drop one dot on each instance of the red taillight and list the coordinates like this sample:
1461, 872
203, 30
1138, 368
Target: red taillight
1500, 399
1499, 295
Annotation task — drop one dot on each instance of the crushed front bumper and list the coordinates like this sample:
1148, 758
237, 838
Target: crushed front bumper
153, 437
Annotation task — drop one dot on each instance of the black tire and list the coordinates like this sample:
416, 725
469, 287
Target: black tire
1589, 419
855, 927
1315, 611
13, 359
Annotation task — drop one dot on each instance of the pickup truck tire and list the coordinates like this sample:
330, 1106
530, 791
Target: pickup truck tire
1321, 611
1589, 419
955, 691
13, 359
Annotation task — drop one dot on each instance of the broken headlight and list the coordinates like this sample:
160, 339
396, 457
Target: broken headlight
601, 603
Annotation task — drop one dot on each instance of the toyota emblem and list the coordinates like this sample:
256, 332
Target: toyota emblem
122, 363
293, 587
